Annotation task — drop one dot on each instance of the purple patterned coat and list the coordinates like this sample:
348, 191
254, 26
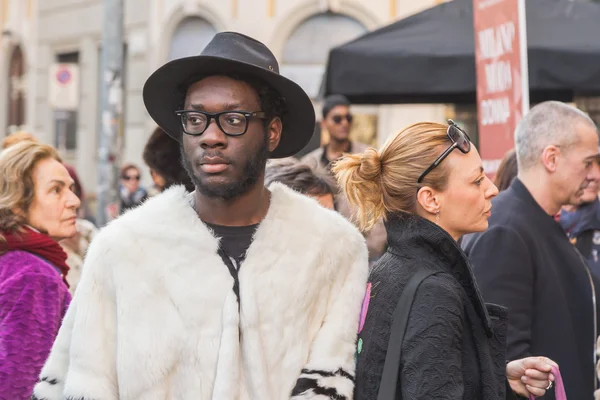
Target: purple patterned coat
33, 302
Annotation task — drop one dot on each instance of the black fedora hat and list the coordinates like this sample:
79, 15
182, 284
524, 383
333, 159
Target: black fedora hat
230, 53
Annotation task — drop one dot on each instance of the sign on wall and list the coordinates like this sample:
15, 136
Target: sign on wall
502, 77
64, 86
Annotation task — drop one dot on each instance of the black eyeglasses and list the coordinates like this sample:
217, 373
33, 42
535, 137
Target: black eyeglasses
337, 119
131, 178
460, 140
232, 123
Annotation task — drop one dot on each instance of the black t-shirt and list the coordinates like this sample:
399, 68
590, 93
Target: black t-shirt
235, 241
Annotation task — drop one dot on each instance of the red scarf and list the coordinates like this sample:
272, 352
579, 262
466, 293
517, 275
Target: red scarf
39, 244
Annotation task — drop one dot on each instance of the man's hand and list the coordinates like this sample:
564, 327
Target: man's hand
531, 375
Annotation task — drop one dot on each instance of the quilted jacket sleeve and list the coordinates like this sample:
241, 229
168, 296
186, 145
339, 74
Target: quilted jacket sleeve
330, 371
31, 305
435, 331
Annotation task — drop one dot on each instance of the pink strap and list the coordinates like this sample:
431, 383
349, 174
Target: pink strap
365, 307
559, 387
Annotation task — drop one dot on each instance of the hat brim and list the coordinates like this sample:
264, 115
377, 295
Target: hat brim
163, 96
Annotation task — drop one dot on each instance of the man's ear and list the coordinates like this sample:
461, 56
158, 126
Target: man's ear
550, 156
429, 200
275, 129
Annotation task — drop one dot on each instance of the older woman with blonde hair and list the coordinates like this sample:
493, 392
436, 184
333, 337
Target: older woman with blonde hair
37, 209
424, 327
76, 246
17, 137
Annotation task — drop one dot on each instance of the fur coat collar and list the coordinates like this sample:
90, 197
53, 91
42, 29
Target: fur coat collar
155, 316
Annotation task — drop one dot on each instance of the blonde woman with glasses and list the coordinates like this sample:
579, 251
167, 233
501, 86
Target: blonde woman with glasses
425, 332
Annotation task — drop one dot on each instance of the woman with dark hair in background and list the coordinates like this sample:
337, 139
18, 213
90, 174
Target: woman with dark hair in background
162, 154
507, 171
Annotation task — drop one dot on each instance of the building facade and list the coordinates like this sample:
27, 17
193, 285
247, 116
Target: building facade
37, 34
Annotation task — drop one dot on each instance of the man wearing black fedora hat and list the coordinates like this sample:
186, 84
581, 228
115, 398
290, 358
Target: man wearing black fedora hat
234, 291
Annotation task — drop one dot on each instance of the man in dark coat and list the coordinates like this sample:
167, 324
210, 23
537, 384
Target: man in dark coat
524, 261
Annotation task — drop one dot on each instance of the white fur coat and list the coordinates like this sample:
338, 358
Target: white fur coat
155, 316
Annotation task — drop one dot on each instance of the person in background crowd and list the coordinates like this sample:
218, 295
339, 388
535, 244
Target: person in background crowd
581, 222
235, 291
131, 193
83, 211
453, 347
507, 171
163, 157
526, 262
337, 121
17, 137
37, 209
302, 179
77, 246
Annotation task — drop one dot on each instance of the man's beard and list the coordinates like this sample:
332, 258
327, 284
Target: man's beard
252, 171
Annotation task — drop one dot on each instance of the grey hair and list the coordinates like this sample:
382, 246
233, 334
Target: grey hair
547, 123
300, 177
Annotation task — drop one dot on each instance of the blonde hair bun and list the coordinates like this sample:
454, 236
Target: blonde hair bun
370, 164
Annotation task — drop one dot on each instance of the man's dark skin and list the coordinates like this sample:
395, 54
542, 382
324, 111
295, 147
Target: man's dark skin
218, 160
339, 141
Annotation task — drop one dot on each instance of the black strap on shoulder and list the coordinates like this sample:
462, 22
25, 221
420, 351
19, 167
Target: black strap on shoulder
584, 243
391, 368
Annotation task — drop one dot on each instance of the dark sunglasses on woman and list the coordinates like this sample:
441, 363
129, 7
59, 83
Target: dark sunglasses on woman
460, 140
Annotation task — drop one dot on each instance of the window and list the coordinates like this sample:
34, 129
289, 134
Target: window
191, 36
307, 49
65, 121
305, 56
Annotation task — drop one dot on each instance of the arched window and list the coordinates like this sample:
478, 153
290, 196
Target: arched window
190, 37
17, 86
306, 51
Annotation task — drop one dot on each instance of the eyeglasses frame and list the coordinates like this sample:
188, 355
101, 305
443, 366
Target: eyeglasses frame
215, 117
